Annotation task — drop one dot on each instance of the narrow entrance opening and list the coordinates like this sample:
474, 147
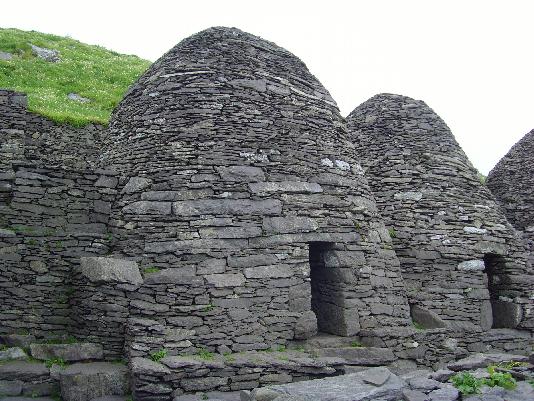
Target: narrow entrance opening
325, 290
505, 313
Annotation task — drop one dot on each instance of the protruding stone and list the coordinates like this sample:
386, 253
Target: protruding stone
110, 270
68, 352
85, 381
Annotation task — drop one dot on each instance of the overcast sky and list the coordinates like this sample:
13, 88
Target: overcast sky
471, 61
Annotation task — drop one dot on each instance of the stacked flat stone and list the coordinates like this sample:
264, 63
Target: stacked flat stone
237, 162
54, 208
511, 181
447, 231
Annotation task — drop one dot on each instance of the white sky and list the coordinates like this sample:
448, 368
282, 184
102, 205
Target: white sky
471, 61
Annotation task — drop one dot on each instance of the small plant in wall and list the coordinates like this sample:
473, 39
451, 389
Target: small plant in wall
466, 383
356, 344
158, 355
151, 269
55, 362
203, 353
392, 233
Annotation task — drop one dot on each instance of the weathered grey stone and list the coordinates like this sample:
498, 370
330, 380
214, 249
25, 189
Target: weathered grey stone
409, 195
227, 206
426, 318
10, 387
306, 325
148, 207
145, 366
276, 271
413, 395
350, 387
68, 352
12, 354
204, 383
225, 280
85, 381
137, 184
289, 224
106, 182
506, 314
264, 394
366, 356
447, 393
77, 98
106, 270
23, 371
6, 56
263, 188
49, 55
241, 173
183, 275
471, 265
484, 360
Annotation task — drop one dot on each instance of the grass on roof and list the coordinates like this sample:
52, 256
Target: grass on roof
93, 72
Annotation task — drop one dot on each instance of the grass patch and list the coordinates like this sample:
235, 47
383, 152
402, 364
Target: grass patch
158, 355
151, 269
55, 362
93, 72
205, 354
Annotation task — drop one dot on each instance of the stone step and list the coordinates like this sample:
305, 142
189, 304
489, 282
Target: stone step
76, 352
27, 399
12, 353
87, 381
324, 340
27, 379
17, 340
210, 396
360, 356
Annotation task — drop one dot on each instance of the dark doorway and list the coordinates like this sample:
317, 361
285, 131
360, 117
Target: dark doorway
330, 282
506, 314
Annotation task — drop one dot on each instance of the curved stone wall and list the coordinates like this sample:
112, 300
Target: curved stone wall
511, 181
243, 201
457, 250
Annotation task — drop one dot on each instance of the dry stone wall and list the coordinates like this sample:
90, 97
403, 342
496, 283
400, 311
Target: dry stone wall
511, 183
237, 168
52, 212
225, 210
460, 257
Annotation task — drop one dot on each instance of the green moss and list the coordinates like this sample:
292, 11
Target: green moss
151, 269
93, 72
356, 344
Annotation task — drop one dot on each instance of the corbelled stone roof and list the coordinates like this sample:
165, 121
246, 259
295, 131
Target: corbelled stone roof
241, 179
445, 223
512, 182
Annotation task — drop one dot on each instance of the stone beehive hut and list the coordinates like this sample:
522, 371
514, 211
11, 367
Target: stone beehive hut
512, 184
462, 262
225, 210
242, 189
